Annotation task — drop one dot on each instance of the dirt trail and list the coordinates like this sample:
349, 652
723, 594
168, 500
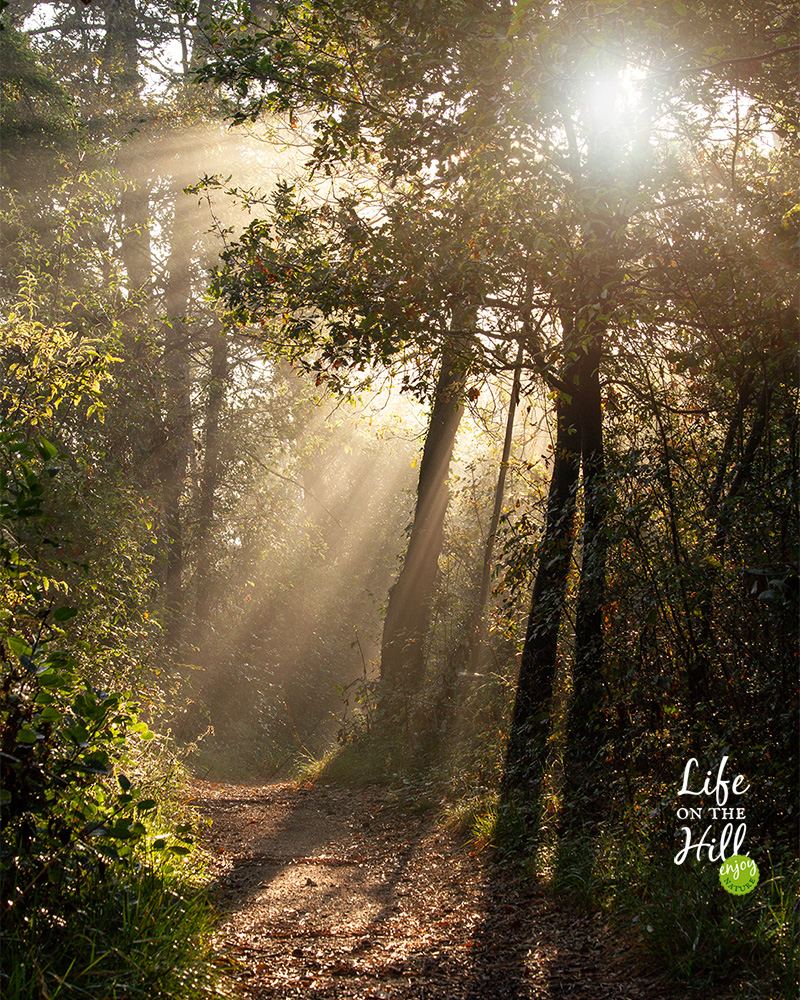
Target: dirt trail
333, 893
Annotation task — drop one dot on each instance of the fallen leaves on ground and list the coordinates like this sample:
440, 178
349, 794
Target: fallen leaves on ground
335, 893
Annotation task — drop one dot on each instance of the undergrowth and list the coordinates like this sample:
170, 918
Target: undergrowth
134, 932
352, 764
706, 938
116, 907
101, 888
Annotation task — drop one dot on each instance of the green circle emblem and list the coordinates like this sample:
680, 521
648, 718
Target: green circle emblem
739, 874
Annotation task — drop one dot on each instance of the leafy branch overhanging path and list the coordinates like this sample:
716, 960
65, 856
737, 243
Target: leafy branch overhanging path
334, 893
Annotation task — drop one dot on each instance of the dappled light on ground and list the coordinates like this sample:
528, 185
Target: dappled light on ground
329, 892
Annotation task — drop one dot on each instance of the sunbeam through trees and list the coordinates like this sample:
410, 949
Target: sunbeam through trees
400, 467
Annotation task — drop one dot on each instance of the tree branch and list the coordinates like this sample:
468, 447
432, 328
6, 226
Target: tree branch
732, 61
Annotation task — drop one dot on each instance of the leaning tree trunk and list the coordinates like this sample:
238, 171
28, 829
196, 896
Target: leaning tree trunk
477, 625
408, 613
455, 677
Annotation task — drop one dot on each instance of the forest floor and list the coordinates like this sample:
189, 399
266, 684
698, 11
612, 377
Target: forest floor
327, 892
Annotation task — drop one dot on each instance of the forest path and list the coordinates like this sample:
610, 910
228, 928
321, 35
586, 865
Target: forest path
339, 893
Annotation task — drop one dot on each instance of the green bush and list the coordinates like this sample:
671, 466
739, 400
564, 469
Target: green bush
98, 893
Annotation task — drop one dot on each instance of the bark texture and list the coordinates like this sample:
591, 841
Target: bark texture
530, 723
408, 613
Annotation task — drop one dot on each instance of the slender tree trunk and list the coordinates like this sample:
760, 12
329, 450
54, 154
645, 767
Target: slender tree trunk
477, 626
715, 493
120, 51
742, 473
530, 723
134, 213
697, 653
589, 654
466, 658
408, 613
119, 67
177, 413
702, 639
210, 474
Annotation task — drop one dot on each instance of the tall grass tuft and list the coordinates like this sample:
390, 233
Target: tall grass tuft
130, 934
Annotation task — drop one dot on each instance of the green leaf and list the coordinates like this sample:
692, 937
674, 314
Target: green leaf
125, 829
97, 763
18, 646
64, 614
180, 849
77, 734
46, 448
50, 678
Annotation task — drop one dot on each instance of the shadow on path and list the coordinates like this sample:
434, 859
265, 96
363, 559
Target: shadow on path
338, 893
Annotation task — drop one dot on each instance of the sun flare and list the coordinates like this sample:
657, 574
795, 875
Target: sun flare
611, 101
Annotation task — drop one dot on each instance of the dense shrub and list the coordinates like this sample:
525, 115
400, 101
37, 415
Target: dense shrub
96, 888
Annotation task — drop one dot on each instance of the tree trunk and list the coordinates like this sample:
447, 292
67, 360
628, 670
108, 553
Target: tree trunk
477, 626
585, 331
120, 51
466, 658
408, 612
530, 723
210, 475
702, 641
586, 731
745, 465
119, 66
177, 412
743, 398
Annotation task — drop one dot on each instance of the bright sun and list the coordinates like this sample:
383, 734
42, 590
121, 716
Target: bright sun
611, 101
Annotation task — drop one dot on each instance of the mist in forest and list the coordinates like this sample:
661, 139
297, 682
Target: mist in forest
311, 550
399, 396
